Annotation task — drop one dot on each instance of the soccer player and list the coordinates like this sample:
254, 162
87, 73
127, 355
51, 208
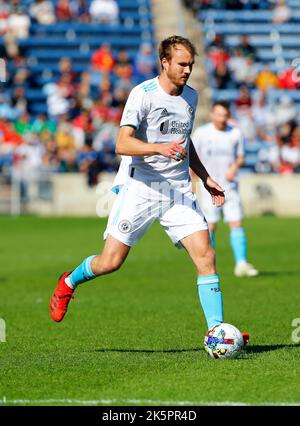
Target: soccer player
221, 148
153, 182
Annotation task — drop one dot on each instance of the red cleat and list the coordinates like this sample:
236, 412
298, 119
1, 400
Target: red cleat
60, 299
246, 337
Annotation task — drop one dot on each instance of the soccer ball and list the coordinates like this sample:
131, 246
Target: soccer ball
223, 341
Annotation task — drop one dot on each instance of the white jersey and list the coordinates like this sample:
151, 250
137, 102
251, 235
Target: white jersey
158, 118
218, 149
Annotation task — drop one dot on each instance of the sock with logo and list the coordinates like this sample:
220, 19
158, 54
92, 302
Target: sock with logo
210, 296
81, 274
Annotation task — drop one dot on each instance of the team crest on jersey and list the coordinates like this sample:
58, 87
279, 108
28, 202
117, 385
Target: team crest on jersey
125, 226
189, 110
130, 114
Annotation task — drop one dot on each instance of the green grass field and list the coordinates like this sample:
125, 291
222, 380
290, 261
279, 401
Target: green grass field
135, 337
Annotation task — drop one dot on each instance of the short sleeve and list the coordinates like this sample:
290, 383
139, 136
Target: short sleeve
135, 110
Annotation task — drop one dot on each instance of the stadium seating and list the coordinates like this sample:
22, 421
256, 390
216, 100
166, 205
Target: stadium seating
47, 44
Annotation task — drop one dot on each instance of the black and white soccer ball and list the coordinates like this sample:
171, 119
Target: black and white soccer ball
223, 341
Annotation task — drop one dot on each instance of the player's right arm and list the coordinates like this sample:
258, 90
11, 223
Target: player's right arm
136, 111
128, 144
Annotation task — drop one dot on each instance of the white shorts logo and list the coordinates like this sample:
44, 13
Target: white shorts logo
125, 226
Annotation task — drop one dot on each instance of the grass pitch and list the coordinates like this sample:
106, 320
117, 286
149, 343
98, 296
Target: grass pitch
135, 337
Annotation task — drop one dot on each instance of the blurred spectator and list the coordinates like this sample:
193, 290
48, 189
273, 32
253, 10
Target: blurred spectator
19, 100
145, 63
66, 67
6, 110
285, 156
282, 13
123, 67
284, 111
233, 4
22, 125
244, 99
19, 24
63, 10
66, 146
246, 47
266, 79
57, 104
244, 69
41, 124
43, 12
287, 80
222, 76
5, 10
217, 50
81, 10
103, 60
104, 11
263, 118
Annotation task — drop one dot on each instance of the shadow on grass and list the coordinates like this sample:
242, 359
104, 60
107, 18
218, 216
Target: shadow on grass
146, 351
252, 349
269, 348
277, 273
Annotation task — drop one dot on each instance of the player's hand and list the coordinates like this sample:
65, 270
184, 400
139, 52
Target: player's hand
231, 173
216, 192
173, 150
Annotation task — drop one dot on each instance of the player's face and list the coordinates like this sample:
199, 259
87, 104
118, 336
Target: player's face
220, 117
179, 68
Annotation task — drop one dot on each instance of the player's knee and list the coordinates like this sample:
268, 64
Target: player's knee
210, 256
108, 264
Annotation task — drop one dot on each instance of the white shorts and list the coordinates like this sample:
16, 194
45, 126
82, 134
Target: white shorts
134, 212
232, 208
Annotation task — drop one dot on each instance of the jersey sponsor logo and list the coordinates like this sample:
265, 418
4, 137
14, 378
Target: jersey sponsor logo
125, 226
175, 127
164, 127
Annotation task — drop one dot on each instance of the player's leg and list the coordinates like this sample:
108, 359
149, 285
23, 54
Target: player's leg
128, 221
112, 257
198, 246
238, 241
212, 232
186, 226
233, 215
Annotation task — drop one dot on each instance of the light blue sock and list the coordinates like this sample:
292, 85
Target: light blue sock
212, 238
82, 273
210, 296
238, 243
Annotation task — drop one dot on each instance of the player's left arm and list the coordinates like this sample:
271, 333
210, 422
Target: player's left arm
234, 168
215, 190
239, 156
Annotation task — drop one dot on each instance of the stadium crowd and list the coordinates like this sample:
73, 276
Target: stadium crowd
84, 109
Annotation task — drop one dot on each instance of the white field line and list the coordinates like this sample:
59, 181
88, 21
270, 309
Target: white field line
5, 401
